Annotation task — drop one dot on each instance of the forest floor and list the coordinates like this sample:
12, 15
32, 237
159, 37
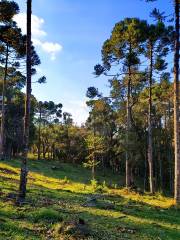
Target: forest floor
62, 204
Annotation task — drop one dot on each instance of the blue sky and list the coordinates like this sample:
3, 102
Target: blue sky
68, 35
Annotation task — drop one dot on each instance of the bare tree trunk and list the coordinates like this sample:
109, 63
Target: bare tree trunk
48, 153
44, 150
39, 132
176, 107
145, 172
150, 147
2, 142
160, 183
24, 170
93, 168
128, 168
94, 157
68, 145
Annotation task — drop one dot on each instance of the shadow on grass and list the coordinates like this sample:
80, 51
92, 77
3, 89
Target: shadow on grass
145, 219
74, 173
11, 228
142, 222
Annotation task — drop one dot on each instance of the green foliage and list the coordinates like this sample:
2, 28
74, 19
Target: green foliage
12, 80
135, 57
92, 92
99, 187
94, 183
95, 146
8, 10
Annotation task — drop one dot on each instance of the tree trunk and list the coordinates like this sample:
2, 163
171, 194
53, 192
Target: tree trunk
24, 170
150, 147
39, 132
48, 153
2, 145
93, 169
176, 108
44, 150
145, 172
68, 145
160, 183
128, 168
169, 151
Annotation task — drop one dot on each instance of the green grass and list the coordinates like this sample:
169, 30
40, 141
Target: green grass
59, 195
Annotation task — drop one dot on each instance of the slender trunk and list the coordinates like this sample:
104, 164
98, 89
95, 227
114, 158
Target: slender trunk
24, 170
150, 147
103, 164
170, 168
39, 132
94, 156
48, 153
51, 151
160, 169
176, 108
2, 146
170, 152
44, 151
145, 172
68, 158
128, 167
93, 168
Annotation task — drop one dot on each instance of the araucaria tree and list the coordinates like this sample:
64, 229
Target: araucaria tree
24, 171
156, 49
123, 48
176, 4
176, 106
12, 51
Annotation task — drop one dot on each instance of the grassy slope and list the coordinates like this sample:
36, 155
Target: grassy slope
59, 194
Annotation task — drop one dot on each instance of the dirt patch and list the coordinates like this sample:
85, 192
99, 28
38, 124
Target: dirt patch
72, 230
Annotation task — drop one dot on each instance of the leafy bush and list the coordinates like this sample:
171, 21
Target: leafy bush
98, 187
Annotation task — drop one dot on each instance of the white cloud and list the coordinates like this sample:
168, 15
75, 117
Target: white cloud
48, 47
51, 48
37, 24
78, 109
36, 42
37, 34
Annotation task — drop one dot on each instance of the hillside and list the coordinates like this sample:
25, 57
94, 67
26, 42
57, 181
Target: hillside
62, 204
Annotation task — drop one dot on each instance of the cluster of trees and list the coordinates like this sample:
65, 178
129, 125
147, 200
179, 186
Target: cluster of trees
18, 60
135, 54
20, 127
56, 136
134, 130
13, 79
136, 120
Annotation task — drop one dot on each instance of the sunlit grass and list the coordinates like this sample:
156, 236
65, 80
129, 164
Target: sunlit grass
58, 194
